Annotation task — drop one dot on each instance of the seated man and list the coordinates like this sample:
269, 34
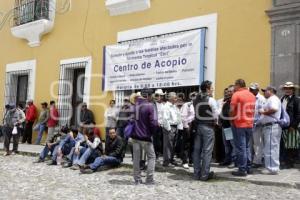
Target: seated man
53, 144
66, 145
92, 150
113, 153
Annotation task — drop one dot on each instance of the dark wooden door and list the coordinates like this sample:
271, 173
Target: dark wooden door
77, 94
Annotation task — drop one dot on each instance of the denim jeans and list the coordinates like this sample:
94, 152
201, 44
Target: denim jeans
230, 151
89, 154
272, 136
41, 129
76, 157
46, 150
66, 148
203, 148
242, 138
104, 160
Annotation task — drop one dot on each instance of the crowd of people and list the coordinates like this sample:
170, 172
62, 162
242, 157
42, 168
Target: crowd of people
257, 131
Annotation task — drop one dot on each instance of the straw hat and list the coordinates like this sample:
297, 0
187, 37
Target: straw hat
133, 97
289, 85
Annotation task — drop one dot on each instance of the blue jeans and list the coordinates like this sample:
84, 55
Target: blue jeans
41, 129
89, 155
76, 157
66, 148
104, 160
203, 148
46, 150
242, 138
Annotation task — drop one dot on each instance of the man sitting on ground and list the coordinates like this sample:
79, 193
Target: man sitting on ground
53, 144
92, 148
113, 153
65, 146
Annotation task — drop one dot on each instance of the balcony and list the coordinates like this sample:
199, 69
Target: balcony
32, 19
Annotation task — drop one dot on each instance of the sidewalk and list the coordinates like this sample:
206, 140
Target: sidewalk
286, 178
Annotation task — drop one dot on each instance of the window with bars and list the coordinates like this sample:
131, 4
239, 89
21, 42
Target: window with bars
71, 91
26, 11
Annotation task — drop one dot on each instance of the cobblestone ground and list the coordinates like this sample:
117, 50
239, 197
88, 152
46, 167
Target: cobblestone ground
21, 179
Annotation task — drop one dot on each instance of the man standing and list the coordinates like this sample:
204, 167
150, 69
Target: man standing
42, 122
258, 144
145, 126
242, 109
12, 122
229, 147
291, 138
206, 114
271, 129
171, 120
31, 115
52, 121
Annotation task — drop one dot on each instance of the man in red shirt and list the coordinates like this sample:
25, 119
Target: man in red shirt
242, 108
52, 121
31, 115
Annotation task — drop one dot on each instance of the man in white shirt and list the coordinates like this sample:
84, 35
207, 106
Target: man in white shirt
271, 130
206, 115
170, 122
257, 128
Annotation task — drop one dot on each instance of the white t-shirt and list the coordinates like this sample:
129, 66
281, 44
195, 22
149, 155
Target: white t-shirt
272, 102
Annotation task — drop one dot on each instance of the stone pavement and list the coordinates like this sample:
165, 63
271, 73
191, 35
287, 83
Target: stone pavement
286, 178
22, 179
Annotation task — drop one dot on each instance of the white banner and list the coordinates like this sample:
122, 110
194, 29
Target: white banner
170, 61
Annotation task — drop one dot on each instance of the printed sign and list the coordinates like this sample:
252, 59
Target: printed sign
170, 61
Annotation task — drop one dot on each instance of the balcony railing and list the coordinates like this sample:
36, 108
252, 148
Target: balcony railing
30, 10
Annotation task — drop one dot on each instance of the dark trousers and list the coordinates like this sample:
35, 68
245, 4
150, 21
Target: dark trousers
242, 138
7, 137
158, 142
185, 146
27, 137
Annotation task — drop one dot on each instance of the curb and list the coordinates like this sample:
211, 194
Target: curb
183, 172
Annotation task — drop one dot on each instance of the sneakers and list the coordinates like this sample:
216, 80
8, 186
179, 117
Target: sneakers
239, 173
67, 164
185, 166
6, 153
86, 171
51, 163
268, 172
14, 153
75, 167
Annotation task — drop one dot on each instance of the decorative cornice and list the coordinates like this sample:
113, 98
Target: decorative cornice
284, 13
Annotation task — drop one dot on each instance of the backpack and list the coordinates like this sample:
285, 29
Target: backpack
284, 121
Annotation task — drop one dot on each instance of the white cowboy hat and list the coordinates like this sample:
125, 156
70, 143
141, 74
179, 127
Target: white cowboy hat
289, 85
159, 92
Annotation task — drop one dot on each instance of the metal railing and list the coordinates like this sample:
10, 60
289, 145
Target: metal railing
30, 10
